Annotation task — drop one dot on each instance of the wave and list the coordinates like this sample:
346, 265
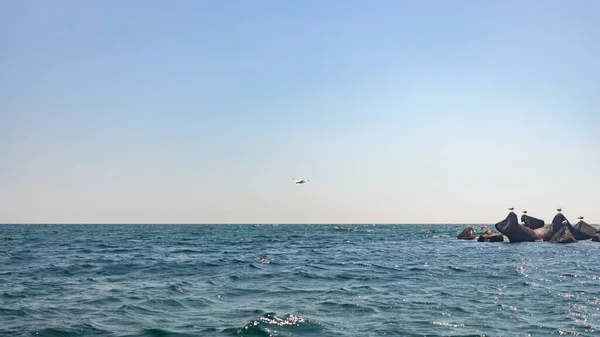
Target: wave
270, 324
75, 331
387, 280
157, 333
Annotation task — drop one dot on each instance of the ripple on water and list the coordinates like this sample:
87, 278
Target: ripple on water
155, 332
394, 280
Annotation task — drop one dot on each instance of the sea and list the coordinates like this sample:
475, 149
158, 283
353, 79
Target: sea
290, 280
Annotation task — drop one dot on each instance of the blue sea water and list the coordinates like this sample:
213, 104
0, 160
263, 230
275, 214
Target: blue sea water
290, 280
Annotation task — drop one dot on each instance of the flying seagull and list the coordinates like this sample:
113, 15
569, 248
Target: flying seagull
301, 181
525, 212
559, 209
511, 208
580, 217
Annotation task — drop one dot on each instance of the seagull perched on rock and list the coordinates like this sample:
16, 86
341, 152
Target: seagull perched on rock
511, 208
301, 181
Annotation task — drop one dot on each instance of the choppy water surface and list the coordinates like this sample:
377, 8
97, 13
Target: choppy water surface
290, 280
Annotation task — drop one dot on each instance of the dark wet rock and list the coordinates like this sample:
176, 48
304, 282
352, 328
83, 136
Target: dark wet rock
467, 234
596, 237
577, 234
490, 236
557, 222
515, 231
531, 222
584, 230
563, 235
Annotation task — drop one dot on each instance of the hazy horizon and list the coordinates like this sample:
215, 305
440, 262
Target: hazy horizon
489, 225
203, 112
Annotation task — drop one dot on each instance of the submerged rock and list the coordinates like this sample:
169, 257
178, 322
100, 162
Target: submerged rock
515, 231
490, 236
263, 260
563, 235
467, 234
531, 222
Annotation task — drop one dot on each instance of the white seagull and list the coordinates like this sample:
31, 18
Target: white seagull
301, 181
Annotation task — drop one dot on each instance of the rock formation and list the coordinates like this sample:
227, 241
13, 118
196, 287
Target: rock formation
559, 231
531, 222
467, 234
557, 222
545, 233
585, 230
560, 220
515, 231
563, 235
490, 236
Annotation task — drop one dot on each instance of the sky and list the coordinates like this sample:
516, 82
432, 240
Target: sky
204, 111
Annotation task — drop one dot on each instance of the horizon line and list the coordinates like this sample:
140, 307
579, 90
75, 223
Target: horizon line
258, 223
240, 223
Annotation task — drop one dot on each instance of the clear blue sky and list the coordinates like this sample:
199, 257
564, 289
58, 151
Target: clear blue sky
204, 111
